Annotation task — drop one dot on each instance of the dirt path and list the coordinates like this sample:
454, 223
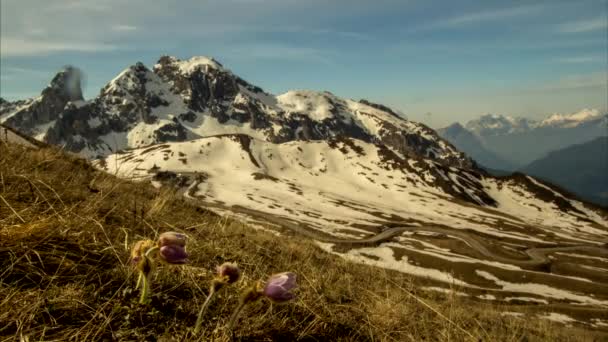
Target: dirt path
537, 255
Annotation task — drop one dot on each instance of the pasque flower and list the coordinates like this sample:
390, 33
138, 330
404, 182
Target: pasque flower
226, 274
171, 248
277, 288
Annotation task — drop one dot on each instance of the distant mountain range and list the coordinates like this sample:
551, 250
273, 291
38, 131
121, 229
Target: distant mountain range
520, 141
548, 149
581, 169
472, 144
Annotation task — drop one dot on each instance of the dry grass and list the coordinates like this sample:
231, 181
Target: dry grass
65, 233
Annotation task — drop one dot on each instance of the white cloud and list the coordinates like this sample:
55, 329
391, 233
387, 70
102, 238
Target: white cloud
123, 28
597, 79
10, 47
482, 16
282, 52
589, 25
578, 59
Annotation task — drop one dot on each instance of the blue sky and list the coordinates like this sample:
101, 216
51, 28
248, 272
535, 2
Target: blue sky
437, 61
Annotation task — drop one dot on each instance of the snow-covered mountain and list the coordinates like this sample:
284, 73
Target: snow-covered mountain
364, 182
520, 141
493, 124
473, 146
183, 100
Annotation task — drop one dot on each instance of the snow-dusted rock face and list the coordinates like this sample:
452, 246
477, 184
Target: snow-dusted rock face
180, 100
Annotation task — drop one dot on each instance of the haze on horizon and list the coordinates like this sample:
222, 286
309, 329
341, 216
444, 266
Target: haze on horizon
436, 62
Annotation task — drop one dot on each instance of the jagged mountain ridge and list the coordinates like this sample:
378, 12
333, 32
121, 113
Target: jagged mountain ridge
183, 100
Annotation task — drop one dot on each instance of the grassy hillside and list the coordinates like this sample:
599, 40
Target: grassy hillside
65, 234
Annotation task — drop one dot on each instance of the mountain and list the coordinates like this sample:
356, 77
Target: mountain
472, 145
521, 141
184, 100
581, 169
360, 180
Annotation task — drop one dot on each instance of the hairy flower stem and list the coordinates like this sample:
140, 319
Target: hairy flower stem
145, 276
151, 250
199, 320
139, 278
235, 315
144, 290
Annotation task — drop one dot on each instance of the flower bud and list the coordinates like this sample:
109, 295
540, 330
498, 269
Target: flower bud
173, 254
229, 272
278, 287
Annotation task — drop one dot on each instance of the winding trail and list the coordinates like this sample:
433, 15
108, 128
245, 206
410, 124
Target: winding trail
537, 255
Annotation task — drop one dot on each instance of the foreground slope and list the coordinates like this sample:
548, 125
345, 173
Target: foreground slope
510, 239
66, 228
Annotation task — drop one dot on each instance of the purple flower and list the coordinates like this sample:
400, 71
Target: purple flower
229, 272
173, 254
278, 287
171, 239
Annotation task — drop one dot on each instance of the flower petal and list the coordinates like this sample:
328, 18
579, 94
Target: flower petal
174, 254
171, 239
279, 285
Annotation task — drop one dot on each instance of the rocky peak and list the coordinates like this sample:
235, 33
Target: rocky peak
493, 124
201, 81
66, 85
380, 107
454, 129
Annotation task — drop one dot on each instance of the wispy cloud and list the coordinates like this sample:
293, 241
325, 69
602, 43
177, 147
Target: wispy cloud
282, 52
320, 31
124, 28
481, 16
14, 72
582, 81
589, 25
11, 47
578, 59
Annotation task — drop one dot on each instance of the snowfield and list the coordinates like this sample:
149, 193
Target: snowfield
346, 191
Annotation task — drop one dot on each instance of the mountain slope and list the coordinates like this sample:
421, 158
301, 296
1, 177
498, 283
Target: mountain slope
182, 100
581, 169
366, 204
469, 143
67, 256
